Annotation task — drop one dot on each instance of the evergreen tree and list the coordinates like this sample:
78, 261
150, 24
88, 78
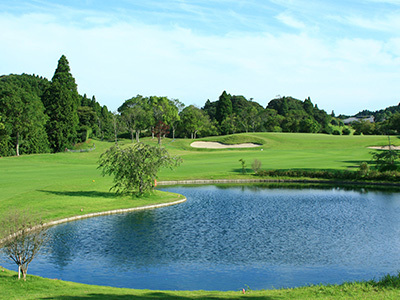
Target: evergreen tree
85, 101
105, 121
211, 109
308, 106
224, 107
62, 100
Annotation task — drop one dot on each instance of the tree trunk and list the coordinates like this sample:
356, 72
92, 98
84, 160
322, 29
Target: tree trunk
115, 130
101, 132
19, 267
137, 135
24, 271
132, 136
17, 144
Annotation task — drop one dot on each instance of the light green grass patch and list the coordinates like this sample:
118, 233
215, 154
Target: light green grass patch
42, 288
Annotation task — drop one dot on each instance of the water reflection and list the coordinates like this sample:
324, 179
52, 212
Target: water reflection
225, 237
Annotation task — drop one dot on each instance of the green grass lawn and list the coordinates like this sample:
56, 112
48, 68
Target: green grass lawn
42, 288
61, 185
279, 151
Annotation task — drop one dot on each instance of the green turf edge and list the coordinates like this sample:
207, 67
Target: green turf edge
42, 288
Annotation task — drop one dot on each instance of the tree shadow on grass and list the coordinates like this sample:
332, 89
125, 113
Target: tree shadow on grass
248, 171
355, 164
89, 194
161, 295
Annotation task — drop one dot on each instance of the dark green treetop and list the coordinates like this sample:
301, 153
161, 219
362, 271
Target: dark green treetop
62, 100
23, 118
224, 107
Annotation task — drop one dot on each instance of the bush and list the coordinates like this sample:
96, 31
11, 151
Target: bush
336, 132
346, 131
327, 129
386, 160
334, 122
392, 176
364, 169
256, 166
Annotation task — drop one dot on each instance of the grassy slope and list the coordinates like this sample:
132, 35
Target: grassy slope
60, 185
280, 151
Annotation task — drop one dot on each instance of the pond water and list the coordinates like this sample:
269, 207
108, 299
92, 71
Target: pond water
229, 238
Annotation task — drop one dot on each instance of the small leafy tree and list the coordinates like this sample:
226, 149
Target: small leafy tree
243, 162
346, 131
161, 130
386, 160
135, 167
22, 238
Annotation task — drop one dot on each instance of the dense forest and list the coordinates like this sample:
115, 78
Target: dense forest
39, 116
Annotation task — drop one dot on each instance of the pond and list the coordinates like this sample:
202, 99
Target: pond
233, 237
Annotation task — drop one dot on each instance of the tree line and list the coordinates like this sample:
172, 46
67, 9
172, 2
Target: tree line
38, 116
160, 116
229, 114
386, 121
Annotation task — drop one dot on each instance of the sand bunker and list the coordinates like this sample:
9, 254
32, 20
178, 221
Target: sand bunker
385, 147
217, 145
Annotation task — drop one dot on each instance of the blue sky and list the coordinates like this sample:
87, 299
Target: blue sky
345, 55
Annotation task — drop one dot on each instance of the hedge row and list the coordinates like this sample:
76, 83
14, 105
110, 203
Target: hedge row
372, 175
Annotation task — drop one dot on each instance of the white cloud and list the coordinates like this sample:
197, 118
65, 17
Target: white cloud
290, 21
116, 61
389, 22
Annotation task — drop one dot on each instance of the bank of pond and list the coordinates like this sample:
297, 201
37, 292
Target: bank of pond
230, 237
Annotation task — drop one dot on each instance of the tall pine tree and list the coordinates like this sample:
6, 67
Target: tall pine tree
62, 100
224, 107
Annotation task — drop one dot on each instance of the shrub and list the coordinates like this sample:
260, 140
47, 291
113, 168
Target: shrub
256, 166
386, 160
364, 169
346, 131
334, 174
